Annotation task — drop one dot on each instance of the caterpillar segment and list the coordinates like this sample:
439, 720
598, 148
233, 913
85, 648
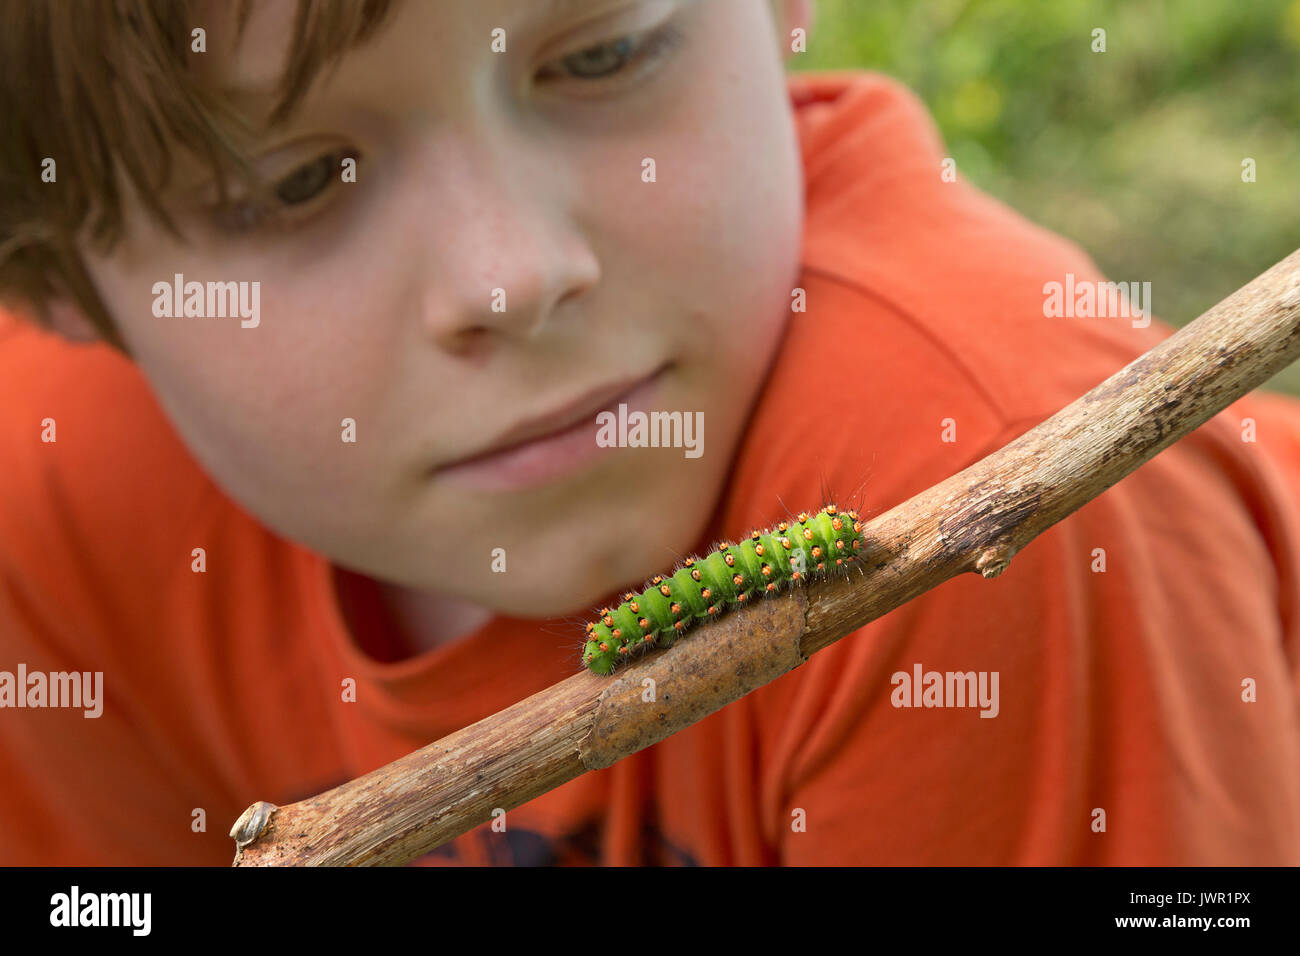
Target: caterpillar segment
811, 547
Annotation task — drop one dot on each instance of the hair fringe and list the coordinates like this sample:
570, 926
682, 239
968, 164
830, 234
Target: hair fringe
108, 90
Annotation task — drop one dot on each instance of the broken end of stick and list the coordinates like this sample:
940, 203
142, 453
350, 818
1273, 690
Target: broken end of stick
252, 823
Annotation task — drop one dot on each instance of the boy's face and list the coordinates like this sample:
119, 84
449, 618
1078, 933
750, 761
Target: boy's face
478, 170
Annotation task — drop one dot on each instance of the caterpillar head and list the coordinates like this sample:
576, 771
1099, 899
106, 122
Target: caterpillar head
600, 661
601, 651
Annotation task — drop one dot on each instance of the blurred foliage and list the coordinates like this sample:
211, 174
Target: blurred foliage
1135, 153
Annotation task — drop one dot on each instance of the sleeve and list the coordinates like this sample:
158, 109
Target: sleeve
114, 778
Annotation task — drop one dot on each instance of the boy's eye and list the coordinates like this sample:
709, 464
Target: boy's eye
308, 180
598, 61
605, 60
291, 196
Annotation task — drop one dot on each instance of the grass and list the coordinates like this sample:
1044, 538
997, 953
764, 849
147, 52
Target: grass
1136, 152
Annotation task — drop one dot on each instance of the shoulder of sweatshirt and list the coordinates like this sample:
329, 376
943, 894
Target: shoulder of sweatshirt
98, 496
886, 215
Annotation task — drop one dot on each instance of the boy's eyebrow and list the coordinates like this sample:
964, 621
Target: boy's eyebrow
261, 97
557, 8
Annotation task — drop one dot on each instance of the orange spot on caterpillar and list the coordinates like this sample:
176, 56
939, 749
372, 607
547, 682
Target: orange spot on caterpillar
689, 562
837, 524
796, 576
679, 626
816, 551
695, 574
771, 586
839, 545
590, 627
807, 534
706, 593
675, 608
729, 559
758, 550
634, 607
603, 647
645, 624
657, 579
755, 535
623, 649
713, 609
803, 516
629, 596
767, 571
782, 527
857, 544
665, 590
608, 620
648, 639
618, 633
785, 543
741, 596
737, 580
832, 510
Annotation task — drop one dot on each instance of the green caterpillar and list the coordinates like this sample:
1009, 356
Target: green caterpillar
734, 574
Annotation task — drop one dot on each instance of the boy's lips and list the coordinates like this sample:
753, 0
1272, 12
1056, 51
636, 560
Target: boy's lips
547, 446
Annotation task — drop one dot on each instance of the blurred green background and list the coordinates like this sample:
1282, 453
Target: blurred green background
1135, 153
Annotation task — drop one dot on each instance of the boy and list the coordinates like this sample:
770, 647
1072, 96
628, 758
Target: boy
304, 515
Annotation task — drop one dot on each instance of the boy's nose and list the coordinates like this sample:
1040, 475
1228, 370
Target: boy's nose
504, 254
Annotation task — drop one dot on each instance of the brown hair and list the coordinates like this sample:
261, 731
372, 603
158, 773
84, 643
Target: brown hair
108, 85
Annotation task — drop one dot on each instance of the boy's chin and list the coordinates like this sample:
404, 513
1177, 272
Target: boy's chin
555, 602
553, 597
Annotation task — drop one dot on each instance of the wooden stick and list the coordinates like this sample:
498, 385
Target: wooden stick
974, 521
